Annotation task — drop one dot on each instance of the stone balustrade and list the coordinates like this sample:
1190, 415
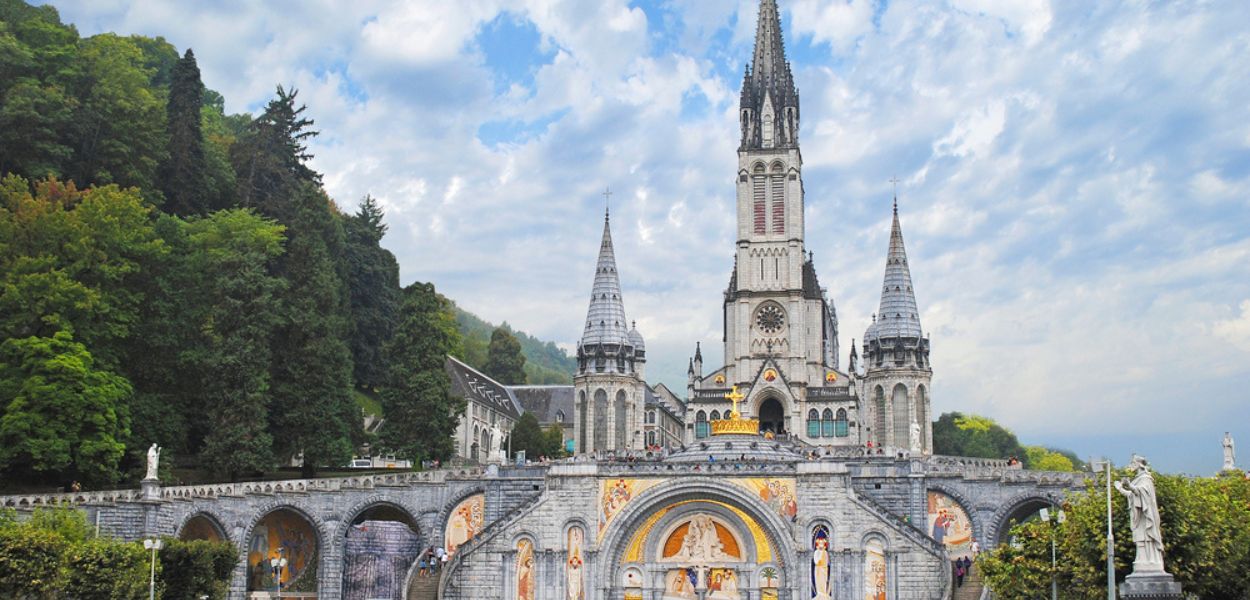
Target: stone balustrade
213, 490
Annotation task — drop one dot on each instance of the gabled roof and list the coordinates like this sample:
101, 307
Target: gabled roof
474, 386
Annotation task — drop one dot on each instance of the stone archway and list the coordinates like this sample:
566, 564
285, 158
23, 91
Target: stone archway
381, 541
712, 533
772, 415
283, 552
1023, 508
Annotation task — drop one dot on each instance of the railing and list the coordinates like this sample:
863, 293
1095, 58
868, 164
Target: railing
675, 468
213, 490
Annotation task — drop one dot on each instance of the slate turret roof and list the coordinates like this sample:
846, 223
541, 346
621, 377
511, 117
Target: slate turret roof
605, 319
897, 316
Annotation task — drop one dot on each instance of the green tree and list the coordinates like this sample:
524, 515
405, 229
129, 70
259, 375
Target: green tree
528, 436
1039, 458
955, 434
230, 255
421, 413
555, 441
373, 282
119, 125
504, 361
103, 569
29, 562
197, 568
312, 409
183, 176
63, 417
270, 158
1206, 542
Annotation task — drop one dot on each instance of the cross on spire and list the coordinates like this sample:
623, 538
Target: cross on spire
607, 200
895, 181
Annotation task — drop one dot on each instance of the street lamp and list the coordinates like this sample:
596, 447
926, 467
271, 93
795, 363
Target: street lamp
276, 565
153, 545
1097, 466
1059, 518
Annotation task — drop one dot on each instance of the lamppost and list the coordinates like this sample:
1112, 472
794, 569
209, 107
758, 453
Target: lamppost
276, 564
1059, 518
153, 545
1097, 466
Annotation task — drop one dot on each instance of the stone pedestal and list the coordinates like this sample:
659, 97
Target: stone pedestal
151, 488
1150, 586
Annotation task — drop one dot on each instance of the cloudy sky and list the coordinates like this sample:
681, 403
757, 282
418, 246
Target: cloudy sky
1074, 193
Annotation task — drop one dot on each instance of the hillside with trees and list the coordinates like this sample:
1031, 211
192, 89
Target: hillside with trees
173, 274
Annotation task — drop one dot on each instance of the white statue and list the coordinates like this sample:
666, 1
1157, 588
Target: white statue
496, 444
154, 457
916, 444
701, 541
1143, 517
1230, 454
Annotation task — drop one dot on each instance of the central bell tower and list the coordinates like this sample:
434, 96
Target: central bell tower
780, 329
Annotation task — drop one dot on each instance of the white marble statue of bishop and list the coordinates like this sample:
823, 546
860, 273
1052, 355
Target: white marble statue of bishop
1143, 517
154, 458
1230, 454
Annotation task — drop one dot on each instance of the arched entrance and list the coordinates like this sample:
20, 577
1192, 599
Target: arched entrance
1023, 511
282, 553
382, 542
772, 416
698, 540
202, 527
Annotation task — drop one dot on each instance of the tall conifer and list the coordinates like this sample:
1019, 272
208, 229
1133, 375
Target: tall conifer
182, 173
373, 282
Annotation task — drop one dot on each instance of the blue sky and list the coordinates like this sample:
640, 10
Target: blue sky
1075, 186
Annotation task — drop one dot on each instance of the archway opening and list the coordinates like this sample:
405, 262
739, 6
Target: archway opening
282, 554
1023, 512
772, 416
382, 544
201, 527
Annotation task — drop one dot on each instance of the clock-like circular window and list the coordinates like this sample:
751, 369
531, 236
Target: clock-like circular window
770, 318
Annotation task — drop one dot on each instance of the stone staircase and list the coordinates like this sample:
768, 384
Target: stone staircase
423, 588
971, 589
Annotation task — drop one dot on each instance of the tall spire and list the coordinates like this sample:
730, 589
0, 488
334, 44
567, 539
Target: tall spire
769, 102
898, 315
605, 320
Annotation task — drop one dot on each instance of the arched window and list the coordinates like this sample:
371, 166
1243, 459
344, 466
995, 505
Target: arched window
841, 428
813, 423
879, 417
715, 415
583, 442
922, 415
601, 420
700, 425
559, 416
826, 423
622, 422
777, 196
902, 418
650, 438
876, 578
651, 417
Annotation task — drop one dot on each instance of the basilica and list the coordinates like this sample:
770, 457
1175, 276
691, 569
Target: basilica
779, 474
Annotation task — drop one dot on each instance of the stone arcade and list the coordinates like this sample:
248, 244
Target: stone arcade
781, 475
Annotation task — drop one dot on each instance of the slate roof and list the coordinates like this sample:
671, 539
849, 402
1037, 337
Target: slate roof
605, 319
898, 316
472, 385
545, 401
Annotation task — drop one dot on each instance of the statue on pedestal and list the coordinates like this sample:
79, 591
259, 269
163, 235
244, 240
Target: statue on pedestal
1143, 516
1230, 454
917, 445
1148, 579
154, 458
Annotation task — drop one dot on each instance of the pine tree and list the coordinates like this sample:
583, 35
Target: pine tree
183, 176
373, 282
312, 409
235, 311
421, 413
270, 158
504, 361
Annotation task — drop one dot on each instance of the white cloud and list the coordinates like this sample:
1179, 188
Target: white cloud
1073, 196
